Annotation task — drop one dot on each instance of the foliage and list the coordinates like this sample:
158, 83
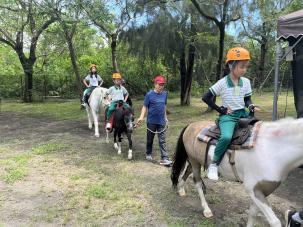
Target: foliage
149, 44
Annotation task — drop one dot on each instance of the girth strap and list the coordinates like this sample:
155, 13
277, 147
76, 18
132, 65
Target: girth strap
231, 155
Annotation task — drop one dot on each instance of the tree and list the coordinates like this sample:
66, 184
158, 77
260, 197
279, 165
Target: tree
224, 12
259, 25
69, 20
24, 21
110, 23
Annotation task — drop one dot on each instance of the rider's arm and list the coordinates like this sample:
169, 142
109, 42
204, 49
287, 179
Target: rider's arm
249, 104
85, 83
100, 81
208, 98
126, 97
125, 93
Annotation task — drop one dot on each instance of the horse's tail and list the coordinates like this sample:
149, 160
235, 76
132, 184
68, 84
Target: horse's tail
179, 159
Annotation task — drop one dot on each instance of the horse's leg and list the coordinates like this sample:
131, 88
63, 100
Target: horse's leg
252, 214
261, 202
187, 171
96, 123
115, 140
199, 186
130, 146
119, 143
89, 117
107, 136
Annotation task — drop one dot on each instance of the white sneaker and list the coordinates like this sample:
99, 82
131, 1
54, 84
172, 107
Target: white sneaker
149, 157
108, 126
212, 172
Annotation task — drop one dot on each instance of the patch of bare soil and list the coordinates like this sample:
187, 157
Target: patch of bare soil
43, 197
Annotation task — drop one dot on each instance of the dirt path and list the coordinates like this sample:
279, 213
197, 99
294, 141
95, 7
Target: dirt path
56, 173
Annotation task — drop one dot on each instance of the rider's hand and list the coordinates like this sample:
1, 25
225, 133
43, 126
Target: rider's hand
251, 108
223, 110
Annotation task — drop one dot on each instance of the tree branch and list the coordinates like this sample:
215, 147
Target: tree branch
7, 42
209, 17
8, 37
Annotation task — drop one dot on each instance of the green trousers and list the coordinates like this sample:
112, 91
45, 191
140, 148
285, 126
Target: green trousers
113, 106
227, 124
87, 92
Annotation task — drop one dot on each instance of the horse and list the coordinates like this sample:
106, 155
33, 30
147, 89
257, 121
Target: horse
277, 151
96, 100
123, 123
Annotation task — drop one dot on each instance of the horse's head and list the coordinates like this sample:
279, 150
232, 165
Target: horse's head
129, 120
104, 98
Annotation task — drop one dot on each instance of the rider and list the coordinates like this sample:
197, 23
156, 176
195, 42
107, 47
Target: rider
118, 93
91, 81
294, 218
155, 103
235, 91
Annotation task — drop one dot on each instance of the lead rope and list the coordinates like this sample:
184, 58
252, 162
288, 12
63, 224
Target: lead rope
155, 132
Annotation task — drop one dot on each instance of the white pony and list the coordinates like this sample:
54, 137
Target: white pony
96, 100
278, 150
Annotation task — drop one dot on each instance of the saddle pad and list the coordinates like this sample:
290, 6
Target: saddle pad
248, 144
202, 134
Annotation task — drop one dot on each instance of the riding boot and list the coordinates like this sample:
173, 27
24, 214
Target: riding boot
83, 104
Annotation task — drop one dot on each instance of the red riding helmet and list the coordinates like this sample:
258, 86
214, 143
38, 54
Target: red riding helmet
159, 79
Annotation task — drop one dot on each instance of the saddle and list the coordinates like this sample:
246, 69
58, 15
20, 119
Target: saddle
244, 137
241, 133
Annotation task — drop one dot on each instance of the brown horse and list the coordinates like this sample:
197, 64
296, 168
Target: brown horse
278, 150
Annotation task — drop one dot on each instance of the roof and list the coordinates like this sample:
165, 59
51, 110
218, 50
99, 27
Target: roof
290, 25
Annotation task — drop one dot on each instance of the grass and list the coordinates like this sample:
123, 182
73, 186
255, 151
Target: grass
61, 111
92, 186
49, 148
14, 174
14, 168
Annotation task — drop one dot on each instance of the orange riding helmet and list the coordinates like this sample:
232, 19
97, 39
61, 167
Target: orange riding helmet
117, 76
237, 54
92, 65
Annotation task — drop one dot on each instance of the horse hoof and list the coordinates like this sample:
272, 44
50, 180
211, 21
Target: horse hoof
119, 151
107, 140
116, 146
182, 192
208, 214
90, 126
130, 155
97, 135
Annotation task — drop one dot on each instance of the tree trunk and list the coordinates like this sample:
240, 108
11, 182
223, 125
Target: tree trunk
75, 67
114, 52
28, 85
187, 67
221, 49
189, 74
27, 66
263, 52
182, 73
